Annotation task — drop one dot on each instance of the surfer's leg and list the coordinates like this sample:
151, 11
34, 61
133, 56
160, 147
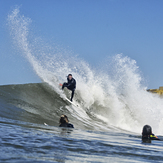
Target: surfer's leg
64, 85
72, 94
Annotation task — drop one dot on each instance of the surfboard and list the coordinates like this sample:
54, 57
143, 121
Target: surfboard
71, 102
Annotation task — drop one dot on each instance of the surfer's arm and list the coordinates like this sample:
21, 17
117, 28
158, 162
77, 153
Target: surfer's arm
153, 137
70, 125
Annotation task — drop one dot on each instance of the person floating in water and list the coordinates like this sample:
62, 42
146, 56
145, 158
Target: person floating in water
71, 85
64, 122
147, 134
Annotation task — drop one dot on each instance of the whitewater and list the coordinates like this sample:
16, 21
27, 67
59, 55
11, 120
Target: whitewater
113, 106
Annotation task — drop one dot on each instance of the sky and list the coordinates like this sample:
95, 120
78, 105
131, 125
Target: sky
93, 29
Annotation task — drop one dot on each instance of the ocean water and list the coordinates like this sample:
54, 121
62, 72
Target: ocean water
113, 107
29, 116
24, 111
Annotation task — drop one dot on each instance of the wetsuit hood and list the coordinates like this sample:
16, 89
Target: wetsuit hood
147, 130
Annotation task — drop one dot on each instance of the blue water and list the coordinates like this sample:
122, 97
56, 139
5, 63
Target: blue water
25, 137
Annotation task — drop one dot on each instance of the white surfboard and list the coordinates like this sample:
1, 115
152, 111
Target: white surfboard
71, 102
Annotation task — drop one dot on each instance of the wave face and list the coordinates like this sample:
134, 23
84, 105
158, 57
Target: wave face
111, 97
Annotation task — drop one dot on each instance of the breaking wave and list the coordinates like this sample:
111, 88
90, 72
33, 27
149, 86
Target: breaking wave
111, 96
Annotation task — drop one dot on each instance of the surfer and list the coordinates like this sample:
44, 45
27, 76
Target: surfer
71, 85
64, 122
147, 134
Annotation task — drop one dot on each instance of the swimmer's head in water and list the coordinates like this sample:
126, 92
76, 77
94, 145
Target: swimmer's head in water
147, 130
63, 119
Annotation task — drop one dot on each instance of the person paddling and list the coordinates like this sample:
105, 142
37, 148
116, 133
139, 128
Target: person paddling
71, 85
64, 122
147, 134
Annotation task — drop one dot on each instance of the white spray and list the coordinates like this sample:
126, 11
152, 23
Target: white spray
114, 94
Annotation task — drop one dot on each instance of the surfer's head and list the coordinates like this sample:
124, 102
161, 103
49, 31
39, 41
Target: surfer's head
147, 130
63, 119
69, 76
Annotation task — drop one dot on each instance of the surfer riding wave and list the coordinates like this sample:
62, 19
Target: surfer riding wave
71, 85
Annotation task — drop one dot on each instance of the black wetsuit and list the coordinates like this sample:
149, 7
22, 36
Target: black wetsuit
69, 125
71, 85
